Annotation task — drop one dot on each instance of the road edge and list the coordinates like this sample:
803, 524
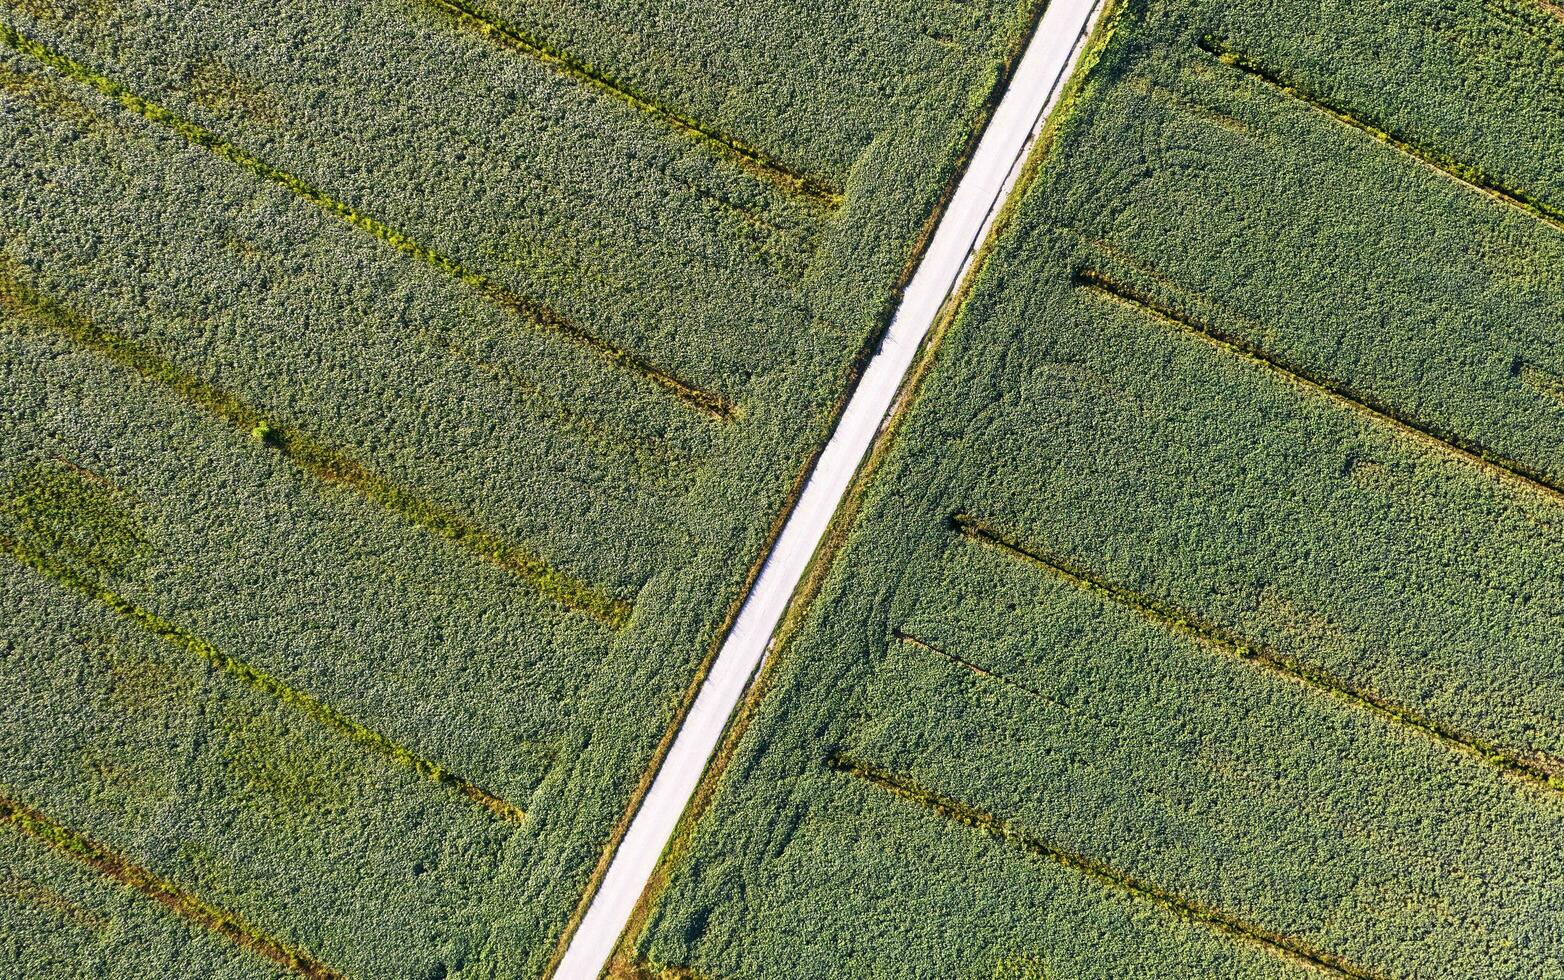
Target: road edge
1022, 170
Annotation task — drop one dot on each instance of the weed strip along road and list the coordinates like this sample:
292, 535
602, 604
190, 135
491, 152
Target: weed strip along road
986, 185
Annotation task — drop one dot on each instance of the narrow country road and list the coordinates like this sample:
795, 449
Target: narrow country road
988, 182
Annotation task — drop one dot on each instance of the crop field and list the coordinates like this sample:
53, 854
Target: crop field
397, 396
1202, 616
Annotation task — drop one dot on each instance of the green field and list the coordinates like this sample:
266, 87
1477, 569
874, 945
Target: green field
397, 396
1203, 616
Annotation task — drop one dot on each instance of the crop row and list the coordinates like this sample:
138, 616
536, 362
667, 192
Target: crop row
1456, 445
28, 822
1539, 771
77, 580
325, 463
529, 310
1029, 690
1465, 174
751, 159
1007, 832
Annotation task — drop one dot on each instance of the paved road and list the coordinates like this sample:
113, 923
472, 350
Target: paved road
988, 181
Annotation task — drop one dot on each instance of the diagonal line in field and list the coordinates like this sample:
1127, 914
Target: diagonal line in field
745, 156
33, 894
79, 847
325, 463
907, 639
1538, 378
1467, 450
1543, 773
538, 314
1007, 832
259, 680
1468, 176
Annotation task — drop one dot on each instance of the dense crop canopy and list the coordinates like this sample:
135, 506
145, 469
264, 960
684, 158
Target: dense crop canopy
1203, 617
397, 396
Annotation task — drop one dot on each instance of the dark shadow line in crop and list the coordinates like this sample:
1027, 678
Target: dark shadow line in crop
77, 846
1541, 773
1467, 450
747, 157
652, 454
796, 248
1010, 834
1539, 379
1468, 176
323, 462
917, 643
538, 314
257, 679
31, 894
1193, 108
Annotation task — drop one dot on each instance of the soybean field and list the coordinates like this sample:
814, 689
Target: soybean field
1204, 614
397, 396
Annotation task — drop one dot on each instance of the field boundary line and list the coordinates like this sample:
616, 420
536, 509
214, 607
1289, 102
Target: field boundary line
1212, 635
1466, 450
539, 315
748, 158
1008, 833
327, 464
980, 196
77, 846
1468, 176
259, 680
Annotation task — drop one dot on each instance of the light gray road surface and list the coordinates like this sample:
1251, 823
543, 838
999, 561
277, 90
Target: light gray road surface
982, 191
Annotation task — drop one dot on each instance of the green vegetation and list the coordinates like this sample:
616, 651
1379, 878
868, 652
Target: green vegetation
398, 396
1202, 616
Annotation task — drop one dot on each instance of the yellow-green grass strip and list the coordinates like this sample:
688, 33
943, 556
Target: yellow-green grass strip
1465, 449
309, 454
749, 158
1541, 772
1471, 177
257, 679
78, 847
530, 310
1008, 833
